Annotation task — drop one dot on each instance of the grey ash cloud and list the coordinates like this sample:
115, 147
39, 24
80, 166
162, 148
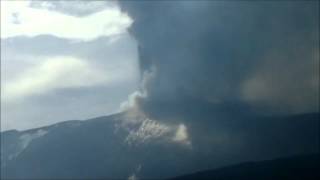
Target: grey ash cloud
257, 56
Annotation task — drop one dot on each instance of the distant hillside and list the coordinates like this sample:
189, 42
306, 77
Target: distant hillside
294, 168
116, 147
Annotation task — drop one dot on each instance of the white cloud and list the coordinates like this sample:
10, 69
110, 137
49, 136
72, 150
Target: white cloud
132, 102
182, 135
18, 18
25, 140
55, 73
144, 130
148, 130
75, 7
132, 177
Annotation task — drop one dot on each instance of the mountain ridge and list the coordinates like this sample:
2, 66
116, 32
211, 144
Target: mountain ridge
118, 146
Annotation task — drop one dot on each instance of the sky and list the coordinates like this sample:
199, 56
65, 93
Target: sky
64, 60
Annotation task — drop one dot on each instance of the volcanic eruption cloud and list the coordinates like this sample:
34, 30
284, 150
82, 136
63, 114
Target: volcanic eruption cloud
262, 56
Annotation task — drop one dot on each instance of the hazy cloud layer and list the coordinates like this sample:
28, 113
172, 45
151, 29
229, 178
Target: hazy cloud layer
261, 56
55, 73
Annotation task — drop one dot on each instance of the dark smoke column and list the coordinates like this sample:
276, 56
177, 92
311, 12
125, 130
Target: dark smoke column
260, 57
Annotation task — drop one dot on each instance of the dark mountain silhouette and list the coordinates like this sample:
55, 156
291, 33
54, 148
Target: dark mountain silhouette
117, 148
296, 167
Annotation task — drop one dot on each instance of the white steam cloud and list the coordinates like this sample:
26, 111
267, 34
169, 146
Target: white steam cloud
20, 19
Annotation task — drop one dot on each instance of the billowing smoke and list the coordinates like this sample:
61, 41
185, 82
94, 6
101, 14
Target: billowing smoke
261, 57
